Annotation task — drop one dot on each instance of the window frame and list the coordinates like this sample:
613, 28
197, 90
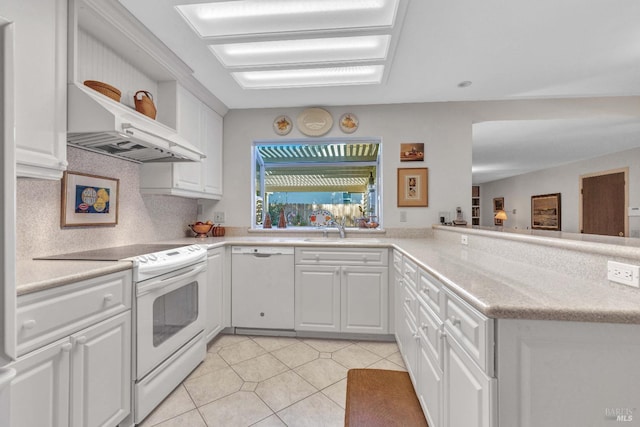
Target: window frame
312, 141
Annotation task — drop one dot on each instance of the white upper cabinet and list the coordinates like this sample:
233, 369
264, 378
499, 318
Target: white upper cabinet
201, 126
40, 92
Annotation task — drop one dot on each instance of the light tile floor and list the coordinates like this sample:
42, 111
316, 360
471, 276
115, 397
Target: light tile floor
271, 381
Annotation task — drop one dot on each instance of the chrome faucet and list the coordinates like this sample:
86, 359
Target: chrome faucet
339, 226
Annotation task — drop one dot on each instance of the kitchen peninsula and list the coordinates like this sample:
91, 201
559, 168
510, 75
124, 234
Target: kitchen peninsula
530, 331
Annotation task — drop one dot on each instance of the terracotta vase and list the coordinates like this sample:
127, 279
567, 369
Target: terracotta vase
282, 222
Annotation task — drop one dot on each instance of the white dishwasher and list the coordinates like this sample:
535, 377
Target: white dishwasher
262, 287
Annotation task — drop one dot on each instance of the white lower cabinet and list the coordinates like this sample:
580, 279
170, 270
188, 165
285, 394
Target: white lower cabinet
469, 394
40, 389
80, 381
447, 347
342, 290
74, 346
317, 298
101, 373
215, 295
364, 300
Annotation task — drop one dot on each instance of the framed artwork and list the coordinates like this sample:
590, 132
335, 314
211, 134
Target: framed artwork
413, 187
88, 200
498, 204
545, 212
348, 123
412, 152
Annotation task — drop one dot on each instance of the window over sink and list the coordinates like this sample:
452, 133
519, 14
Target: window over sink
316, 181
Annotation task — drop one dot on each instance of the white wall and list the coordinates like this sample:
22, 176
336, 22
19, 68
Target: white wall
445, 133
517, 191
444, 128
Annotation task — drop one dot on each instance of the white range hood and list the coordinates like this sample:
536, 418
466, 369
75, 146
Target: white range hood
96, 122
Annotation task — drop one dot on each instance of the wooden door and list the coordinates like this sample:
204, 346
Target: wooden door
604, 204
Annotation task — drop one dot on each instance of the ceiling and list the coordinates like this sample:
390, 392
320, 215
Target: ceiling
508, 50
502, 149
513, 49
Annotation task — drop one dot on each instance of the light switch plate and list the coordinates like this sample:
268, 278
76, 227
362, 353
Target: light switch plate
218, 217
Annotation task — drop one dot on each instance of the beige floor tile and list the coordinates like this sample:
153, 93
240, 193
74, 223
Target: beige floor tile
382, 349
211, 363
189, 419
249, 386
241, 351
355, 356
284, 389
296, 355
275, 343
337, 392
237, 410
386, 364
325, 355
259, 368
225, 340
322, 373
210, 387
315, 411
272, 421
178, 402
397, 359
327, 346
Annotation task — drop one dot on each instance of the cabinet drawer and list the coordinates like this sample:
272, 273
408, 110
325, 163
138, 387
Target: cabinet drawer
43, 317
471, 329
397, 261
430, 291
409, 272
430, 328
410, 302
342, 256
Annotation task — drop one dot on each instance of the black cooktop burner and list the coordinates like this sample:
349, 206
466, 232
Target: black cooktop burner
116, 253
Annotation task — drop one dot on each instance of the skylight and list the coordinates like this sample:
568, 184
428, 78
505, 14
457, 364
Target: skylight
246, 17
302, 51
309, 77
293, 43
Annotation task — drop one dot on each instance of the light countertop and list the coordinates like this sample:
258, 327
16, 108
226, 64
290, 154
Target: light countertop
496, 286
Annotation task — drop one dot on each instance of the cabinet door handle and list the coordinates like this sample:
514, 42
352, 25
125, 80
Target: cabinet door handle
66, 347
337, 271
317, 258
455, 321
108, 298
442, 335
29, 324
81, 339
416, 336
401, 282
407, 299
364, 258
425, 290
424, 327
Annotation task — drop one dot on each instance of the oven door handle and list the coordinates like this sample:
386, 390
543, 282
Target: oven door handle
159, 284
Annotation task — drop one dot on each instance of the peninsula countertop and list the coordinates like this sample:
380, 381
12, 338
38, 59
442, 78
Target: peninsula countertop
498, 287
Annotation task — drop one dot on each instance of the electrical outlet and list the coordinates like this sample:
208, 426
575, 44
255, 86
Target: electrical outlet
627, 274
218, 217
464, 239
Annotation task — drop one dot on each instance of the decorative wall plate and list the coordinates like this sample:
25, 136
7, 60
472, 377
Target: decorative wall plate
282, 125
320, 218
314, 122
348, 123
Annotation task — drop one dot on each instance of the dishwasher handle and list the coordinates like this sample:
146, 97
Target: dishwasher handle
262, 255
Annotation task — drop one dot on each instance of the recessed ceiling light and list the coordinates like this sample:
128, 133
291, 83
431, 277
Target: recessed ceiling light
464, 84
250, 17
336, 49
306, 77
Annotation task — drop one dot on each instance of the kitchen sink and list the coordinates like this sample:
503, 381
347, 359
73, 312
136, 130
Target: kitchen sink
345, 241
